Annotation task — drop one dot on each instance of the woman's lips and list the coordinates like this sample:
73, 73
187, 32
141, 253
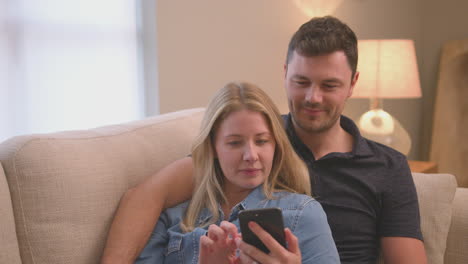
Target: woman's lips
250, 171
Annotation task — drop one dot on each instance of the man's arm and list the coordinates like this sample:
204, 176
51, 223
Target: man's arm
400, 229
403, 250
140, 208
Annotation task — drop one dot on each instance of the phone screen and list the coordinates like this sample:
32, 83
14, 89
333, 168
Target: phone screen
270, 219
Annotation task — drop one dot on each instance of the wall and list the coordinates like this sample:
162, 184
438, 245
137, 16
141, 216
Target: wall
204, 44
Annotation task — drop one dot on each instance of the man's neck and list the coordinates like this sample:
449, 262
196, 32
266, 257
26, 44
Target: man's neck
335, 139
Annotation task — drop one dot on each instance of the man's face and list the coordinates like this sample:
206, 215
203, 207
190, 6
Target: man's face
317, 89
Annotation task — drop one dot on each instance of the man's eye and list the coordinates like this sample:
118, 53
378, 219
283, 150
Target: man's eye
329, 86
302, 83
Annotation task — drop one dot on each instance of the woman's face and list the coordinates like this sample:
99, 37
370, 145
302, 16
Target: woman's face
245, 147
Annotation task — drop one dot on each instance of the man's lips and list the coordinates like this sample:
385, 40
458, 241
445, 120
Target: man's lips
313, 111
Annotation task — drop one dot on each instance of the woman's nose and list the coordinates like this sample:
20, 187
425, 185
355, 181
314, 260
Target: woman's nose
250, 153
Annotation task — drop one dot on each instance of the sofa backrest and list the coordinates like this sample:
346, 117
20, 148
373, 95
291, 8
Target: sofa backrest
9, 252
65, 187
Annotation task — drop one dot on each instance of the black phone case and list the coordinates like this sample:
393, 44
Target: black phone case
270, 219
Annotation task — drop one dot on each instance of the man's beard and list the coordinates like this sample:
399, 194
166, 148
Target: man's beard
312, 126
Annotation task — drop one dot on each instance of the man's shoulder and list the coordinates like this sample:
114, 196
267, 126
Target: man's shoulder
380, 149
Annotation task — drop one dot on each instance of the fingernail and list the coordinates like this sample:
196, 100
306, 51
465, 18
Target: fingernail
237, 240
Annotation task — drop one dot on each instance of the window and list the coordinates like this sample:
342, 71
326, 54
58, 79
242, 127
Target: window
68, 64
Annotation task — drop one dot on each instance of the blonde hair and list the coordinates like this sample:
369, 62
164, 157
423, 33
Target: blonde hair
288, 172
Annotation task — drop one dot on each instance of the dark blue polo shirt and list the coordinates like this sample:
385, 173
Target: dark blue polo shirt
367, 193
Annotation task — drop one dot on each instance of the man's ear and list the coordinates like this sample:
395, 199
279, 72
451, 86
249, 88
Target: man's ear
353, 83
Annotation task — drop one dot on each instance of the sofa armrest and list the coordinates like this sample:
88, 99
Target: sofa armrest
9, 251
457, 241
435, 195
67, 185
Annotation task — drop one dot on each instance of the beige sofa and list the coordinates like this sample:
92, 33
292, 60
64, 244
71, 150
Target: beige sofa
59, 191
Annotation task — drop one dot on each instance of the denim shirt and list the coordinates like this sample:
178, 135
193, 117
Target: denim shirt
302, 214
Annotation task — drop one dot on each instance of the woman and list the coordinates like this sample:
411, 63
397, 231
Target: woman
242, 160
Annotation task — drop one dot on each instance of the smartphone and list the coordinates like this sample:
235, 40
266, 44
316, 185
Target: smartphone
270, 219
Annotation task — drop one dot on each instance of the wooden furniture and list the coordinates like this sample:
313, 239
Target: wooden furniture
423, 166
449, 145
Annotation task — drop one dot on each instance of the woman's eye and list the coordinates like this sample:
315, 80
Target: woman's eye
234, 143
262, 141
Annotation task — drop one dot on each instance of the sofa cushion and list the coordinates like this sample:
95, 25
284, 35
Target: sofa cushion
67, 186
457, 242
9, 252
435, 194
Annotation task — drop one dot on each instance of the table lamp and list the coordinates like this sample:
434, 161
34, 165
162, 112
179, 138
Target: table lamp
314, 8
388, 69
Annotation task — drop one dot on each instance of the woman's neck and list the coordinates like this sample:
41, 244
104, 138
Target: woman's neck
233, 197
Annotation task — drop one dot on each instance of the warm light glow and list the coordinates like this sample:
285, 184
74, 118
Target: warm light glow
314, 8
388, 69
380, 126
377, 122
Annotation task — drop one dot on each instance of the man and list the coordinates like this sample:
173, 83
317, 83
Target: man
365, 188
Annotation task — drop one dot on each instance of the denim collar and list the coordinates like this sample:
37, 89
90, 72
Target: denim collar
255, 199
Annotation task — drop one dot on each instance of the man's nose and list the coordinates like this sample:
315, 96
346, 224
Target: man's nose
250, 153
313, 94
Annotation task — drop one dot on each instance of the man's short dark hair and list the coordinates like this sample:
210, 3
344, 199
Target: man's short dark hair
324, 35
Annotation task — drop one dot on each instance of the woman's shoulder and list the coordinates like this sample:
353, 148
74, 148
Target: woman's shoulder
181, 206
173, 216
294, 201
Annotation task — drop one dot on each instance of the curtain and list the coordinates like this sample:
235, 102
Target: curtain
68, 64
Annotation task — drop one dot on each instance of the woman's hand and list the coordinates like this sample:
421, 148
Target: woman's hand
219, 246
278, 254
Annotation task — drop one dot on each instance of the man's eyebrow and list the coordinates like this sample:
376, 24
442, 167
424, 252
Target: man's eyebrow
298, 76
328, 80
332, 80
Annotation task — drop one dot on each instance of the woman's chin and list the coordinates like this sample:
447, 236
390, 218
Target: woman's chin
252, 185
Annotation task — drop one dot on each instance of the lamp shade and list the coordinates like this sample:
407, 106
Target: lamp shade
387, 69
314, 8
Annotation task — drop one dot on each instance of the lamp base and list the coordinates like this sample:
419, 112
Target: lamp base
381, 127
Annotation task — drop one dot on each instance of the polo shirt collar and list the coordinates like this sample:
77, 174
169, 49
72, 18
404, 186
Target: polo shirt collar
360, 147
